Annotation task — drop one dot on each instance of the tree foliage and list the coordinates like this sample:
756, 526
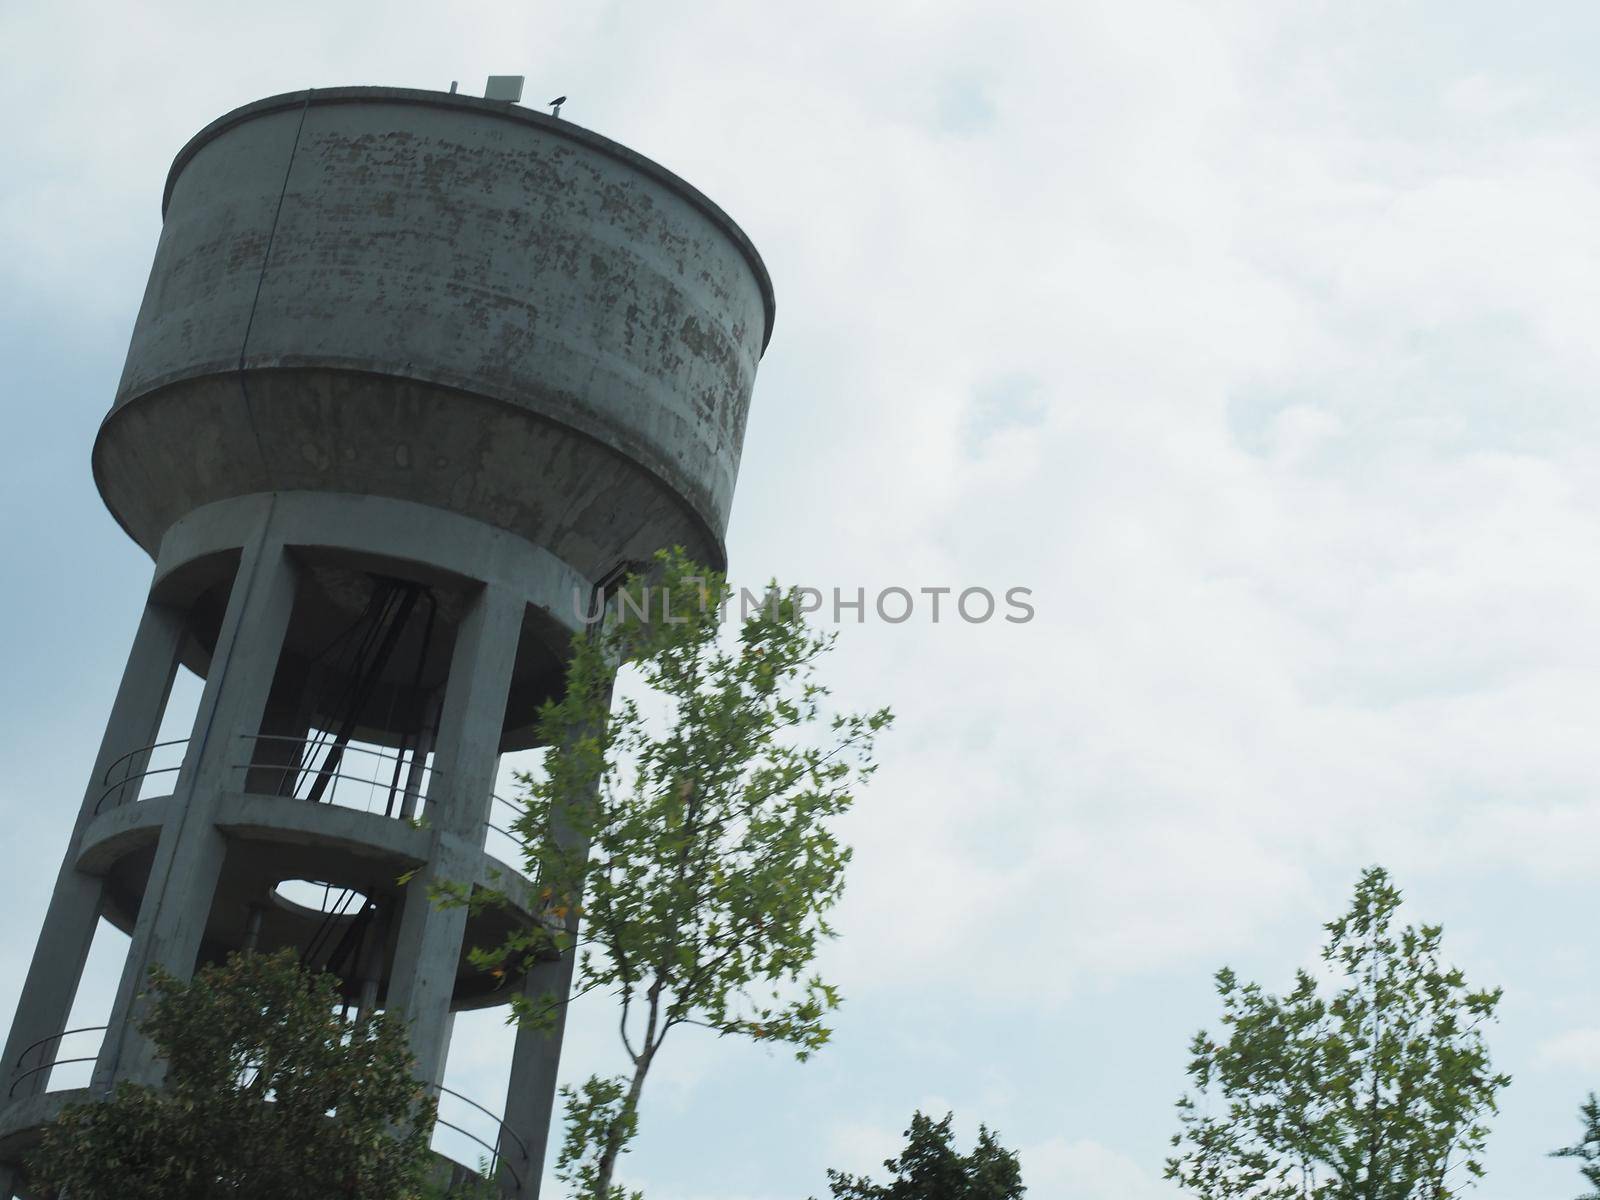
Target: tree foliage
1587, 1149
931, 1168
1378, 1091
694, 829
268, 1093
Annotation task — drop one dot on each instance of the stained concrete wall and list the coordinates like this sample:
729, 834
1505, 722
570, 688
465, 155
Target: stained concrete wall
444, 299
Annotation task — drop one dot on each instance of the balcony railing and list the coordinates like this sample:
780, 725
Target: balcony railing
123, 781
44, 1049
367, 778
502, 840
500, 1134
350, 776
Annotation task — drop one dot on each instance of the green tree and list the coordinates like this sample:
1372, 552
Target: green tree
1587, 1150
268, 1093
931, 1168
694, 830
1379, 1091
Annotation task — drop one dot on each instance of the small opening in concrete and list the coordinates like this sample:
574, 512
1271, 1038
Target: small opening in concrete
319, 896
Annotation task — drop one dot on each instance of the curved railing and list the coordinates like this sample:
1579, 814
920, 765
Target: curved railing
303, 776
394, 784
516, 811
20, 1071
515, 845
119, 786
503, 1131
504, 1134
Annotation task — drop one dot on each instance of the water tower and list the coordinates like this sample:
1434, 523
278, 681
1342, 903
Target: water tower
414, 376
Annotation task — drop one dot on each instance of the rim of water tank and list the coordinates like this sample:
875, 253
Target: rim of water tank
503, 110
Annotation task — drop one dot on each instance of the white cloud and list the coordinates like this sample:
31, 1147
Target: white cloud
1574, 1050
1086, 1170
861, 1149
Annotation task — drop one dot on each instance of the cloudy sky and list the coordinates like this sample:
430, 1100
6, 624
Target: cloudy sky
1257, 339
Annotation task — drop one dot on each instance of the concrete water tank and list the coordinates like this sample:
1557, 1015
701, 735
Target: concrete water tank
447, 299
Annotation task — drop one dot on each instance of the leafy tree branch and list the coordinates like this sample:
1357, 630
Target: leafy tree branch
1379, 1091
692, 832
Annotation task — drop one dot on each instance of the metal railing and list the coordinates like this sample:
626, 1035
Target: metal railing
314, 770
394, 783
20, 1071
502, 1132
513, 843
129, 777
512, 847
517, 811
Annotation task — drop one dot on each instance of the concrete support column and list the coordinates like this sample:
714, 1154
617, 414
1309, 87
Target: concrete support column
74, 912
177, 899
536, 1060
535, 1063
466, 757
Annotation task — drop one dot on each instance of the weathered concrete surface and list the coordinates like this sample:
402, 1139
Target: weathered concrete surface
121, 832
456, 302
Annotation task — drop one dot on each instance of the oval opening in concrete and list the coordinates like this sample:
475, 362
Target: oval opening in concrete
318, 897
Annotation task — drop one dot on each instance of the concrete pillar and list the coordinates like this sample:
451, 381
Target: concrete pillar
531, 1095
74, 912
466, 757
178, 895
536, 1060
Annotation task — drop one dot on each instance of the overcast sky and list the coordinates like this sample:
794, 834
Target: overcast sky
1257, 339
